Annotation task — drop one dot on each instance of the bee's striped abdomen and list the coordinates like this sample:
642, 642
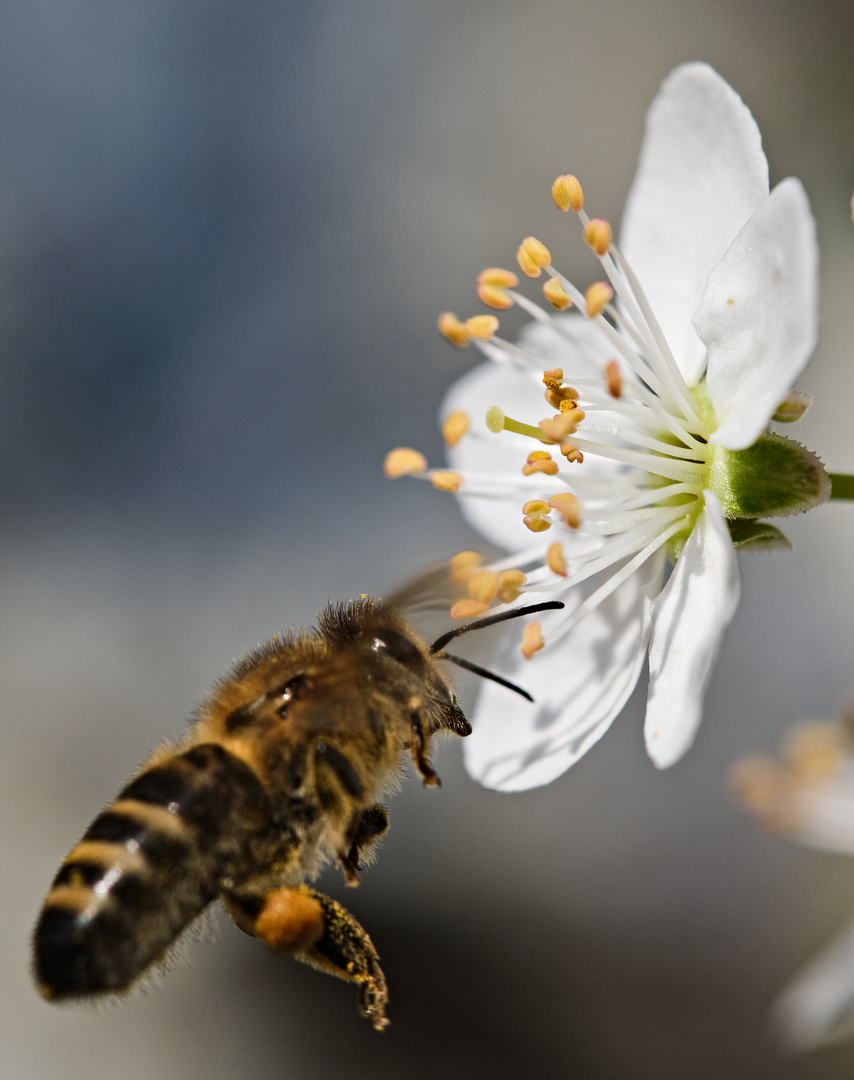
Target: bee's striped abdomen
145, 868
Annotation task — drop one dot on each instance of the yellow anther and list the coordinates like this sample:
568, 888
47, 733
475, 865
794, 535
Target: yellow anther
567, 193
569, 409
498, 277
555, 559
468, 609
553, 378
536, 523
494, 297
568, 507
815, 750
510, 584
535, 507
597, 296
454, 426
403, 461
556, 394
540, 462
555, 294
571, 452
555, 430
482, 326
454, 330
463, 565
532, 641
538, 253
615, 379
483, 586
445, 480
526, 264
764, 788
597, 233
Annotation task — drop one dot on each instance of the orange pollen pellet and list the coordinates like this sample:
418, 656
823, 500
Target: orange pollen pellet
615, 379
445, 480
468, 609
454, 330
494, 297
597, 296
498, 277
482, 326
597, 233
463, 565
404, 461
569, 508
555, 294
555, 560
483, 586
510, 584
567, 193
454, 426
533, 640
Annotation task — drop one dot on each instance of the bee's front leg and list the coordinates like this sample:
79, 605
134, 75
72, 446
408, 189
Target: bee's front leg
317, 930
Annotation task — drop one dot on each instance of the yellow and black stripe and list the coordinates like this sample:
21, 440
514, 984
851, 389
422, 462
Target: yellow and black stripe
145, 868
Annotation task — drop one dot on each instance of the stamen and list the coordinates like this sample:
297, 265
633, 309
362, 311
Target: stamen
468, 609
567, 506
567, 193
555, 294
596, 297
463, 565
533, 256
404, 461
454, 426
615, 379
556, 429
597, 233
555, 560
540, 461
482, 326
535, 515
445, 480
510, 584
533, 640
454, 330
483, 586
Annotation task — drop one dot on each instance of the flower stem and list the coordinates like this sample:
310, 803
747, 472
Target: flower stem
842, 485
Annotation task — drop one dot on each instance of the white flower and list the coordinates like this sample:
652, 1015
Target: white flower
808, 794
666, 396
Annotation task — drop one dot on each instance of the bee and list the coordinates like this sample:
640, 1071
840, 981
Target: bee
280, 774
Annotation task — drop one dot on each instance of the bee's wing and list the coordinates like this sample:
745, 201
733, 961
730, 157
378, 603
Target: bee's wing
431, 591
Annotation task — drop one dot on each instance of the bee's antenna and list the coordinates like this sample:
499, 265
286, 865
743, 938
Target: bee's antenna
481, 624
437, 648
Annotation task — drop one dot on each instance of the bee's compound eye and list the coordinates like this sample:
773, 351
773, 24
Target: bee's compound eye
396, 645
292, 689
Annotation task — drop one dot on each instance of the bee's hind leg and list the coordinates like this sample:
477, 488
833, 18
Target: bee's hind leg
317, 930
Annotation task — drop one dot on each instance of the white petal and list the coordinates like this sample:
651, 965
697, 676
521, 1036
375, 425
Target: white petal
688, 621
579, 686
701, 174
819, 1006
759, 315
501, 456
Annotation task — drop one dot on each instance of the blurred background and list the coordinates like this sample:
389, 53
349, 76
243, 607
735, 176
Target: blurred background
226, 230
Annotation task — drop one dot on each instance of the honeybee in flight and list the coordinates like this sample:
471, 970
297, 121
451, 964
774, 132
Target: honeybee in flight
280, 773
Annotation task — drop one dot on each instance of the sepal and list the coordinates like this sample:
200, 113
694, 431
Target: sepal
775, 477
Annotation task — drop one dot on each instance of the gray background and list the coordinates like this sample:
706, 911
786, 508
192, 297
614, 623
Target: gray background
226, 230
